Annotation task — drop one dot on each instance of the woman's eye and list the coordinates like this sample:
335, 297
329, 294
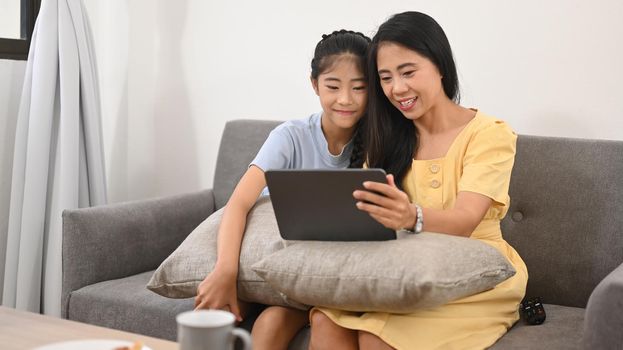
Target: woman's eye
359, 88
408, 73
386, 79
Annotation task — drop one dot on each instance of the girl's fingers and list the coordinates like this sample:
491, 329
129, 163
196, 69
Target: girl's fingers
199, 300
234, 309
200, 306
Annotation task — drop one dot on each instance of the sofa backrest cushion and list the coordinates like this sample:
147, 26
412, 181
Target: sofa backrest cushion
566, 215
240, 143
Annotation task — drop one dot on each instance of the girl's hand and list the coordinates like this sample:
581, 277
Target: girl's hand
386, 204
218, 291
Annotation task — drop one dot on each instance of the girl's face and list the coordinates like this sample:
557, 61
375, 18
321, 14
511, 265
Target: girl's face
342, 90
411, 82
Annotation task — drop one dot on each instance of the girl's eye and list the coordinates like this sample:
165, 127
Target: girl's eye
359, 88
330, 87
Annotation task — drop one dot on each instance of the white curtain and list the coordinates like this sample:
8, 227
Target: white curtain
58, 161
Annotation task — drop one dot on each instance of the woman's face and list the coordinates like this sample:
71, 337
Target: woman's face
411, 82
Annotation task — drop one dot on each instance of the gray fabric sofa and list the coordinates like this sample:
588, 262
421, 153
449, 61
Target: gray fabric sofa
565, 220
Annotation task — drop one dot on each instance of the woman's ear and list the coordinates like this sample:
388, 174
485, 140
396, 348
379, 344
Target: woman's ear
314, 83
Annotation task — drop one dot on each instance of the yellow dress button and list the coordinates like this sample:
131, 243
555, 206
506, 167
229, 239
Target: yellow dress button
435, 184
434, 168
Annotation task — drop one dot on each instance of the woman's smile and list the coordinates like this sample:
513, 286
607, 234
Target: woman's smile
407, 103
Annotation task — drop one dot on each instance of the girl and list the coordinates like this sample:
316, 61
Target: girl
451, 170
323, 140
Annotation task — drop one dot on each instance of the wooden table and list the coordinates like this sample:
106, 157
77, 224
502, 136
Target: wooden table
26, 330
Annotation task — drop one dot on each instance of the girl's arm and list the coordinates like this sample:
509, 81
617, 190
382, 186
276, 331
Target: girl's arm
218, 289
394, 211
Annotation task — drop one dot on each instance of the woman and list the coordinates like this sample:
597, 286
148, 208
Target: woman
450, 170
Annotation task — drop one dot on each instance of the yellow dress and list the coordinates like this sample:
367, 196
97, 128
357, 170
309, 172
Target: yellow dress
479, 160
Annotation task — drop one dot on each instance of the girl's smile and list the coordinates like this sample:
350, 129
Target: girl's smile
344, 112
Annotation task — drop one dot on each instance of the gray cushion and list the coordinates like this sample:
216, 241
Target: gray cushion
180, 274
125, 304
562, 330
399, 276
565, 216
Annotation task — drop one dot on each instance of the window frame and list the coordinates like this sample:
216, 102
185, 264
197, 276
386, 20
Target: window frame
17, 49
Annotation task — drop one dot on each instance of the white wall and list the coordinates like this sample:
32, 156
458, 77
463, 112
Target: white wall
11, 80
173, 72
10, 23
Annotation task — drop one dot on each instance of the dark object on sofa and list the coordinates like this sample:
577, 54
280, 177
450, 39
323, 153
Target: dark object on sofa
532, 311
565, 220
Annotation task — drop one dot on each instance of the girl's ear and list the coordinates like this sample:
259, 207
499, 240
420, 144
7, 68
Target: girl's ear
314, 83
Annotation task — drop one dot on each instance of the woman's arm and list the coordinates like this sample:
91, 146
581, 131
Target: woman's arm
469, 210
391, 207
218, 289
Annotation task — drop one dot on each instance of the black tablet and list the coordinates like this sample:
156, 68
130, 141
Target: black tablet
319, 205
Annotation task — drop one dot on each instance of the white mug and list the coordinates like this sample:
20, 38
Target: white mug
209, 329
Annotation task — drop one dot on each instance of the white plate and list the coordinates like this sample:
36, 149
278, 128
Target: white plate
94, 344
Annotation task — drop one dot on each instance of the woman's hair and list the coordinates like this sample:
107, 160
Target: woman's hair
392, 139
328, 50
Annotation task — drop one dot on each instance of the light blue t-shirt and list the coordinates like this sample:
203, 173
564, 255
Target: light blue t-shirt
300, 144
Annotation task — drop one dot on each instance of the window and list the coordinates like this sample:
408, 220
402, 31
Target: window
17, 21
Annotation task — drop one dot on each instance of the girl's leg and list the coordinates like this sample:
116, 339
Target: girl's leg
325, 334
369, 341
276, 326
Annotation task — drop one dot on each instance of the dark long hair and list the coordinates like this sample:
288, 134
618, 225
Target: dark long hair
327, 51
392, 139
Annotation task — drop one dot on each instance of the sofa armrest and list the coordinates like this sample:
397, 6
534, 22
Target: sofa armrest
603, 323
120, 240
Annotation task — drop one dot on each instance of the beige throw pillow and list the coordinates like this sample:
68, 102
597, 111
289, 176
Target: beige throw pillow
399, 276
180, 274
